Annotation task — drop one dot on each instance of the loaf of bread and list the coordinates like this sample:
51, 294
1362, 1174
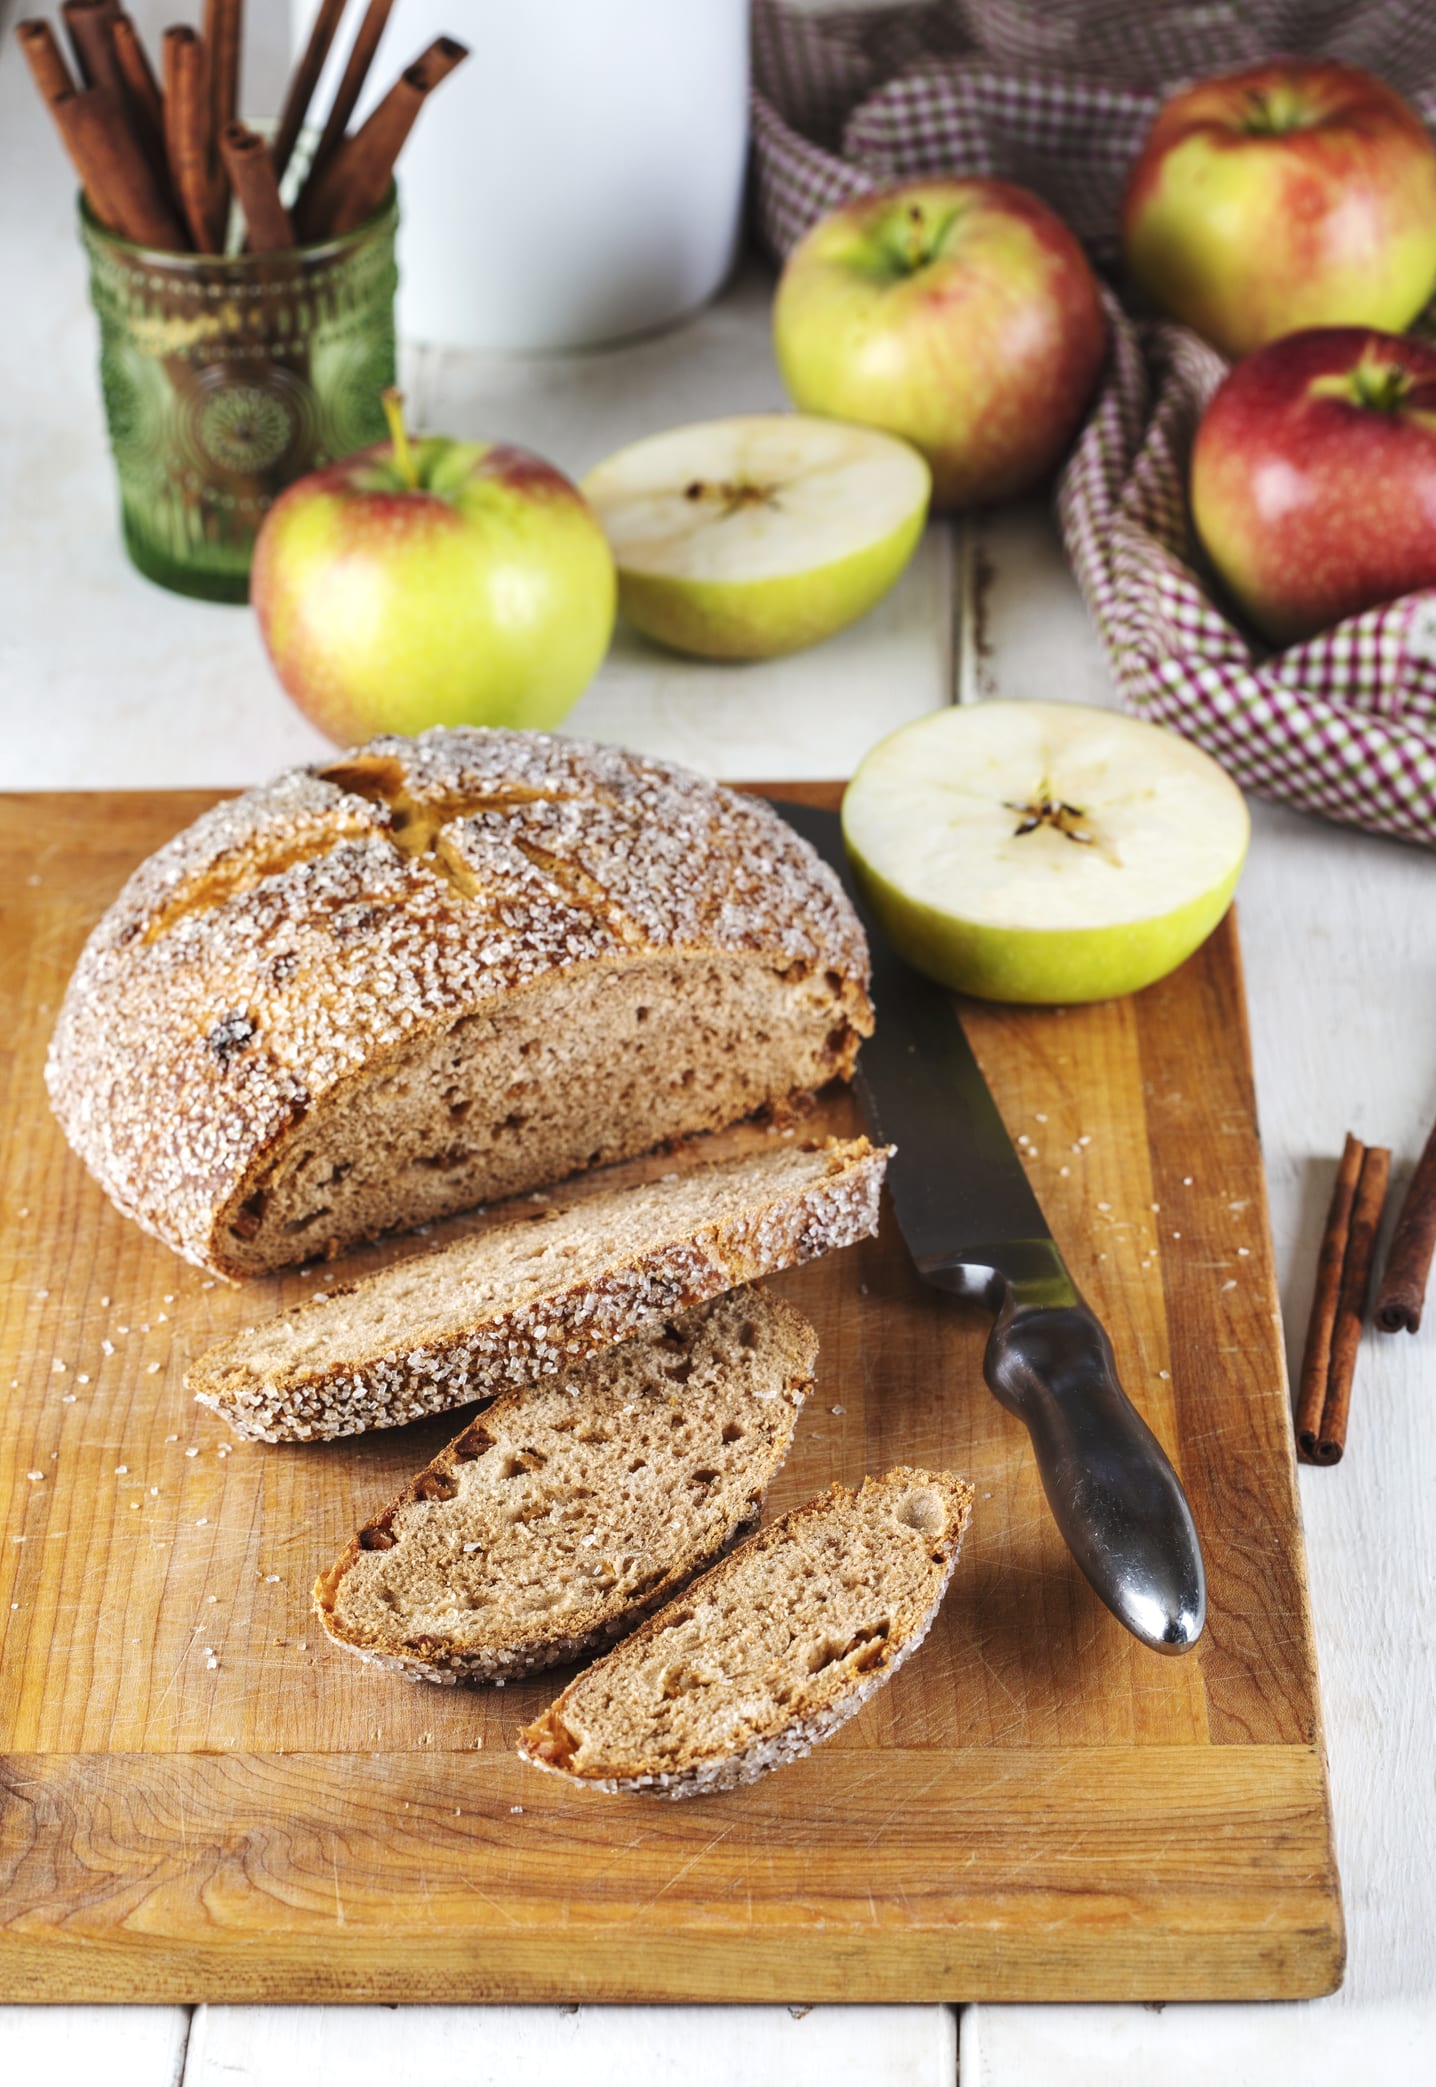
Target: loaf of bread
437, 971
770, 1651
535, 1294
570, 1509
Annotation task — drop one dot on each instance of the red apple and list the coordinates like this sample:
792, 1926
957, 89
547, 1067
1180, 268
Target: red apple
1314, 477
961, 315
433, 583
1287, 196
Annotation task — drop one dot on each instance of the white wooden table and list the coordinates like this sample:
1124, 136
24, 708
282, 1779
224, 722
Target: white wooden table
106, 681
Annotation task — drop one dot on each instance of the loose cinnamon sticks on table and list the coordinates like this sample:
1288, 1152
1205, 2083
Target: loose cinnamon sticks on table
156, 164
1343, 1284
1402, 1294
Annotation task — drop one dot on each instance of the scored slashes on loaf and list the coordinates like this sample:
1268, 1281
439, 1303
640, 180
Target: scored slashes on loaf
437, 971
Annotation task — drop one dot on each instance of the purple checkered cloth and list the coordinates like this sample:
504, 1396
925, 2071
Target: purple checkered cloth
1058, 96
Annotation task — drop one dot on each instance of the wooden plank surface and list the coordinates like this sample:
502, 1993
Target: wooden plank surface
202, 1799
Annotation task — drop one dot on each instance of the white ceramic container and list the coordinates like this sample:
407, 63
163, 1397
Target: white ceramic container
578, 179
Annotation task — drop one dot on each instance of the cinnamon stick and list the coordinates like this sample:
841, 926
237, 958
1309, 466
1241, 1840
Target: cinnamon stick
188, 139
351, 85
222, 31
1343, 1285
357, 179
1413, 1246
91, 26
142, 91
118, 180
256, 185
45, 59
304, 82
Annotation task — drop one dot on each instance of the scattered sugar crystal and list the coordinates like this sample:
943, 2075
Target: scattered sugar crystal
152, 1369
169, 1297
1064, 1170
120, 1470
172, 1438
68, 1399
1176, 1235
34, 1476
839, 1410
1165, 1375
203, 1522
1104, 1206
107, 1347
1038, 1117
1230, 1285
1243, 1253
58, 1367
82, 1378
42, 1295
189, 1452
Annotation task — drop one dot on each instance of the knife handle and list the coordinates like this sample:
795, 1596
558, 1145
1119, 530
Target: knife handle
1116, 1499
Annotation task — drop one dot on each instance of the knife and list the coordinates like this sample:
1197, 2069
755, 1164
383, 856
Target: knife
975, 1229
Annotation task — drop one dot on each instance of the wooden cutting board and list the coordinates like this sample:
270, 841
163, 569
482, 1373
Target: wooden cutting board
200, 1799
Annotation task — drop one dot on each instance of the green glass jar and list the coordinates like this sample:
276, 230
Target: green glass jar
225, 378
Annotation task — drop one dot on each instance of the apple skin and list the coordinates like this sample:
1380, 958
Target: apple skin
1062, 967
484, 595
1313, 480
961, 315
1283, 197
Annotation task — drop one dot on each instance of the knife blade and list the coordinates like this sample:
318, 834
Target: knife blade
975, 1228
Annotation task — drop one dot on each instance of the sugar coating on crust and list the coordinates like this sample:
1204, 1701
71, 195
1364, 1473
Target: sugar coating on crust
309, 929
769, 1652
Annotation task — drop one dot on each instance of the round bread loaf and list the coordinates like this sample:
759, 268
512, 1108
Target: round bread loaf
437, 971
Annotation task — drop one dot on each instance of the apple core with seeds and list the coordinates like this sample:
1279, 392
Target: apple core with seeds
1044, 852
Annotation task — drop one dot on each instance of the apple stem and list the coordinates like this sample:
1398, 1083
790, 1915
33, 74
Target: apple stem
393, 402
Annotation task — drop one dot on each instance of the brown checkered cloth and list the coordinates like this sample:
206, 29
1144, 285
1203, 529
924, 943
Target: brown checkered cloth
1058, 96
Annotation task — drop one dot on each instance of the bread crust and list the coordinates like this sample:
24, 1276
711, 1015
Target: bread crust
294, 941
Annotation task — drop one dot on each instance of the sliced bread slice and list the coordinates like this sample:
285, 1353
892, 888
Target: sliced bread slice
570, 1509
770, 1651
535, 1295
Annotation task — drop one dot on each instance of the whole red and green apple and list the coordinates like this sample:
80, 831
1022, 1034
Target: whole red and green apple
433, 583
961, 315
1314, 477
1283, 197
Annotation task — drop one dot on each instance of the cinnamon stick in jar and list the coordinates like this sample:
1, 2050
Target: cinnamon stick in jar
1402, 1295
357, 179
351, 85
46, 60
256, 186
142, 90
222, 28
91, 27
303, 82
1343, 1286
119, 183
188, 138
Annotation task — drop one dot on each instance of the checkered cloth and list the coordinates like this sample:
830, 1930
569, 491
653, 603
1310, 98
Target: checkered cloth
1058, 96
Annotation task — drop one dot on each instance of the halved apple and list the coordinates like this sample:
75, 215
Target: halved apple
1044, 851
746, 538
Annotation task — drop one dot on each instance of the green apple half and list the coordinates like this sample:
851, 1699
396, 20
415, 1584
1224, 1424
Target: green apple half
1044, 851
746, 538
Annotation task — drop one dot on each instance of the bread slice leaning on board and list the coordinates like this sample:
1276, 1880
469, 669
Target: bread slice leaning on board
535, 1295
769, 1652
568, 1510
438, 971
